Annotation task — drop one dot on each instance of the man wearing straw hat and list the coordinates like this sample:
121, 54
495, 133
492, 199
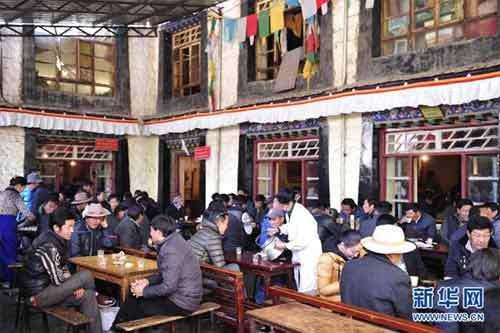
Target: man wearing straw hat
376, 281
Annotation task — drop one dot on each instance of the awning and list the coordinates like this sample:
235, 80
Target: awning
68, 122
72, 18
453, 91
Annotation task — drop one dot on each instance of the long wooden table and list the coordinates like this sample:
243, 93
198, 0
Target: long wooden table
116, 274
297, 317
265, 269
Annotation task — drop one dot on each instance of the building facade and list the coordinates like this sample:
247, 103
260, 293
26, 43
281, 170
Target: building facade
397, 92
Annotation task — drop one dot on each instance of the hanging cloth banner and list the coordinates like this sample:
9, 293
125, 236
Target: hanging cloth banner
277, 17
229, 29
309, 8
264, 24
240, 34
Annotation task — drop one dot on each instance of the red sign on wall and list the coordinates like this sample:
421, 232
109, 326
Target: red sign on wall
202, 153
106, 144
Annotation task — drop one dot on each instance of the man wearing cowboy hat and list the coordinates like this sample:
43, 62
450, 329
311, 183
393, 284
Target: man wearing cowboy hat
92, 233
79, 203
375, 281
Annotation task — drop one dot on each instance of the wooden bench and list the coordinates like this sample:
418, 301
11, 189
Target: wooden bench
73, 319
228, 291
354, 312
137, 325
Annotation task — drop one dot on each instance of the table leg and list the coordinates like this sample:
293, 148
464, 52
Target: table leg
253, 326
290, 277
124, 286
267, 284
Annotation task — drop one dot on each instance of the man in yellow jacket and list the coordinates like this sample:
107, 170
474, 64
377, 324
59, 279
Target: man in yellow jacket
332, 262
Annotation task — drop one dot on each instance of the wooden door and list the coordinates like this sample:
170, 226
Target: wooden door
189, 178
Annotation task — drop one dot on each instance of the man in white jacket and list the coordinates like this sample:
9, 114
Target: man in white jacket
303, 240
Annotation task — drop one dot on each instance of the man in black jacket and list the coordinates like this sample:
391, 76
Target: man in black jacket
482, 272
129, 231
177, 287
375, 281
478, 237
47, 279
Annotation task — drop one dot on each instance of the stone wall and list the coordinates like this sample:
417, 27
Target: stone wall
12, 69
144, 164
459, 56
12, 153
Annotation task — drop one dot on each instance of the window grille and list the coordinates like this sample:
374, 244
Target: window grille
72, 153
288, 150
443, 140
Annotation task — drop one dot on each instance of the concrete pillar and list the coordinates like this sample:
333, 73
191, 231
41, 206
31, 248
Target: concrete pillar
222, 167
12, 69
12, 141
143, 67
230, 57
143, 164
345, 60
344, 147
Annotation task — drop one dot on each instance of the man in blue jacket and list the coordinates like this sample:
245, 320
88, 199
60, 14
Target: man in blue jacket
93, 233
456, 220
417, 224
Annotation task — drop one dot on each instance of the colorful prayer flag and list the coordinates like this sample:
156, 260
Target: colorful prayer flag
251, 25
241, 30
229, 29
277, 16
308, 8
292, 3
264, 24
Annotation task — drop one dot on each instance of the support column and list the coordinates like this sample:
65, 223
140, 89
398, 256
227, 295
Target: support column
222, 168
12, 142
143, 164
344, 148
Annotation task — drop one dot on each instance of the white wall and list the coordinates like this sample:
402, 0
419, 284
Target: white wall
143, 164
344, 148
12, 142
221, 170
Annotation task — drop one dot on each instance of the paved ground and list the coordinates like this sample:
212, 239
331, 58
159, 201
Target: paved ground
8, 311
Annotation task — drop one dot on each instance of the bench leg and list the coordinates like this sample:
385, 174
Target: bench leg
173, 327
212, 320
45, 323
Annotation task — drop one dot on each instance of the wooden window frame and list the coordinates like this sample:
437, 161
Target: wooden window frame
411, 35
186, 39
78, 80
261, 66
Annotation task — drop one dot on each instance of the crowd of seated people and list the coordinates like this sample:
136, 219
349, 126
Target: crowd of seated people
361, 255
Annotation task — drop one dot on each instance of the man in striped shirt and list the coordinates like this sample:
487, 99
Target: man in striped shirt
47, 279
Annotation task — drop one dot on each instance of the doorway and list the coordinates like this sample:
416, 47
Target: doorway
438, 181
189, 184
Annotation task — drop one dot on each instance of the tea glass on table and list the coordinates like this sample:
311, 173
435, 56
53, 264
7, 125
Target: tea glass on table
238, 252
414, 281
140, 263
